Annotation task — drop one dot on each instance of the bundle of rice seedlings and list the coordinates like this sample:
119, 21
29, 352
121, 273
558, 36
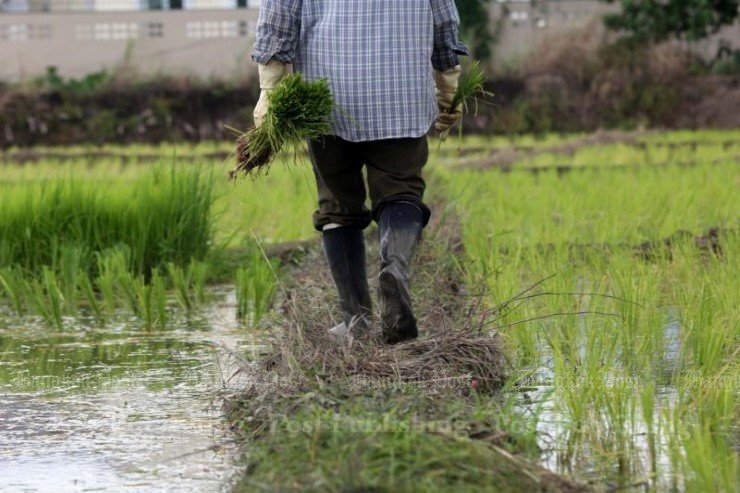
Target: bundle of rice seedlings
469, 87
298, 110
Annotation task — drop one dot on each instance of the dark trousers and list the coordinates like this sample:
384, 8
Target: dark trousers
393, 168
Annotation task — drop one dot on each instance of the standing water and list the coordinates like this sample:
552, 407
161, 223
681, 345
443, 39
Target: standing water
116, 407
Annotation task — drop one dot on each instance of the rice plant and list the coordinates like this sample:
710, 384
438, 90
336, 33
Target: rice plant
255, 288
298, 110
164, 216
644, 382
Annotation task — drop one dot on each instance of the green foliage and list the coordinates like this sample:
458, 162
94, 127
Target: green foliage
86, 85
73, 242
474, 26
654, 20
727, 61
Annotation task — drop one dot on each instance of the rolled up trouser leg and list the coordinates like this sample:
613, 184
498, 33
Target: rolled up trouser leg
400, 225
345, 252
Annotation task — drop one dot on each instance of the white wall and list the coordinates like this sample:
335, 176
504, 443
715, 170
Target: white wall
213, 43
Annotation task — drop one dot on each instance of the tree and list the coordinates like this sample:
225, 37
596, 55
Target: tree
474, 26
660, 20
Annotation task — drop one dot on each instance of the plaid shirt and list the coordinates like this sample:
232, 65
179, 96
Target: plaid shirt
377, 55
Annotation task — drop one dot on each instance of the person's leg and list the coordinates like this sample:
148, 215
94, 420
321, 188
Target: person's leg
341, 217
397, 189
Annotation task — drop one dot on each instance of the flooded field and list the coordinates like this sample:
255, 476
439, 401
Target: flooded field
606, 264
613, 277
118, 408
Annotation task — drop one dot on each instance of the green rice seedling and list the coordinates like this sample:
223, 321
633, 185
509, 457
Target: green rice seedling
72, 261
56, 298
147, 299
87, 291
189, 282
172, 220
14, 288
127, 288
46, 297
181, 282
151, 299
469, 87
158, 286
163, 215
113, 266
618, 410
711, 462
658, 243
298, 110
652, 424
255, 287
199, 272
674, 425
710, 338
6, 252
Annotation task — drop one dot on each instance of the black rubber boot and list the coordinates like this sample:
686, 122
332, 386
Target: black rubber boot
400, 225
345, 251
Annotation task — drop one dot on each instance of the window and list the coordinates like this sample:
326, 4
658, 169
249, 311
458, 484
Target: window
155, 30
108, 31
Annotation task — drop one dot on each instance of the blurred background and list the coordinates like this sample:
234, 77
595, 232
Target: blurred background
127, 67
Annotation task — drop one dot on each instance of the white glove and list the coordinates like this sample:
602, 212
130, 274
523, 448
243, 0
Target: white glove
270, 75
446, 83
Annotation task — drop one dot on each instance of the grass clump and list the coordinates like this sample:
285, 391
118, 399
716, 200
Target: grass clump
298, 110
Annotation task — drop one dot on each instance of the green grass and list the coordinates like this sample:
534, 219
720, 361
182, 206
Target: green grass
619, 207
639, 341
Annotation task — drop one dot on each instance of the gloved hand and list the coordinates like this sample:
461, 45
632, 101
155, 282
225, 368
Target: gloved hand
270, 75
446, 83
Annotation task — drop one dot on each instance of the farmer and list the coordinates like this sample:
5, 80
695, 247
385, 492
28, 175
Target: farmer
382, 60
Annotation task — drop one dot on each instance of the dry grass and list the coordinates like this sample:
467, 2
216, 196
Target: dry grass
306, 379
455, 342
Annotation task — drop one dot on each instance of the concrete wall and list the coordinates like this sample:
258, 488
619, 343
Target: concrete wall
205, 42
528, 26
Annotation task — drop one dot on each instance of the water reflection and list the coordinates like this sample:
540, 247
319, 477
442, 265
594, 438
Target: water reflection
117, 408
590, 450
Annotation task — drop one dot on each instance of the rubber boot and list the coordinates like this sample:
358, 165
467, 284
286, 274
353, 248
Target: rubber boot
344, 248
400, 225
